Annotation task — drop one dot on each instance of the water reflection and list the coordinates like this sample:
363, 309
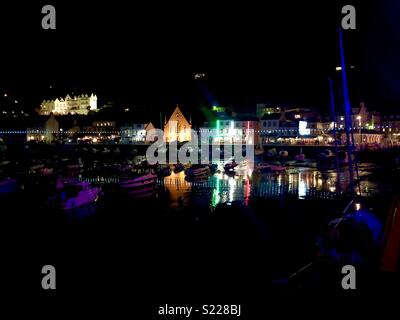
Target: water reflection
246, 184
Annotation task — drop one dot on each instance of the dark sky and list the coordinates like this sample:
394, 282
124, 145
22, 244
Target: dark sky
147, 53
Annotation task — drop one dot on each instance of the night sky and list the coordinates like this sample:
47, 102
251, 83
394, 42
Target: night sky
146, 54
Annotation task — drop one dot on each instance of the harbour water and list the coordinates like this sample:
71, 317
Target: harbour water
246, 185
223, 232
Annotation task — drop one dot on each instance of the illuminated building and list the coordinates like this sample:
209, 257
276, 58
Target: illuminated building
81, 104
264, 109
234, 129
177, 128
100, 131
44, 133
361, 118
365, 137
137, 133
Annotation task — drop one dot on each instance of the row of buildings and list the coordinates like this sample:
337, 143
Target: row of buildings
268, 125
80, 104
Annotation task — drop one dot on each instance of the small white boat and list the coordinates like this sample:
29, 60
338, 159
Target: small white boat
37, 168
4, 163
243, 164
141, 181
78, 194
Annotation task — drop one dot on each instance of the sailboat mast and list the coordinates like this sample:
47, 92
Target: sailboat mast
334, 125
347, 108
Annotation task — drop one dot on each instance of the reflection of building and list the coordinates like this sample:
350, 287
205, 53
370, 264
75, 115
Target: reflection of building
137, 133
177, 128
74, 105
46, 133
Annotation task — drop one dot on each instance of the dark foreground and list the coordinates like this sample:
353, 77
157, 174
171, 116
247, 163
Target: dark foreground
146, 255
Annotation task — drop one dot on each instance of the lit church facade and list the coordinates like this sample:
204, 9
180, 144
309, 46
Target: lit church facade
177, 128
81, 104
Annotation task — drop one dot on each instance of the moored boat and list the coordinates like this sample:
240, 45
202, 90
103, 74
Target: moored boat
230, 166
300, 157
139, 181
164, 172
327, 156
213, 167
265, 168
78, 194
178, 167
283, 154
198, 170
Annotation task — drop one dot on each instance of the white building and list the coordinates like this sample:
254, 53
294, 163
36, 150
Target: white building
236, 129
81, 104
137, 133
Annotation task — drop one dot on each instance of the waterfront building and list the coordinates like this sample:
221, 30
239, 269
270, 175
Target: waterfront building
232, 128
361, 118
365, 137
80, 104
177, 128
293, 126
390, 125
104, 131
137, 133
46, 132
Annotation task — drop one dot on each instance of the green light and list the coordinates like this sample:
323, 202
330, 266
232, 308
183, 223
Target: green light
218, 109
215, 194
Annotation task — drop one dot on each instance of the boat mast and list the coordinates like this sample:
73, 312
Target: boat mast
347, 108
334, 126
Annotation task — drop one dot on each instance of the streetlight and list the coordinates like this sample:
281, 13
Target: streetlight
359, 129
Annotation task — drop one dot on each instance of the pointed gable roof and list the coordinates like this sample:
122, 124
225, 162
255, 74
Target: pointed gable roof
177, 115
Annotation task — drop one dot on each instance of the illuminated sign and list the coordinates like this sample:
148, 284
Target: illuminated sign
303, 131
